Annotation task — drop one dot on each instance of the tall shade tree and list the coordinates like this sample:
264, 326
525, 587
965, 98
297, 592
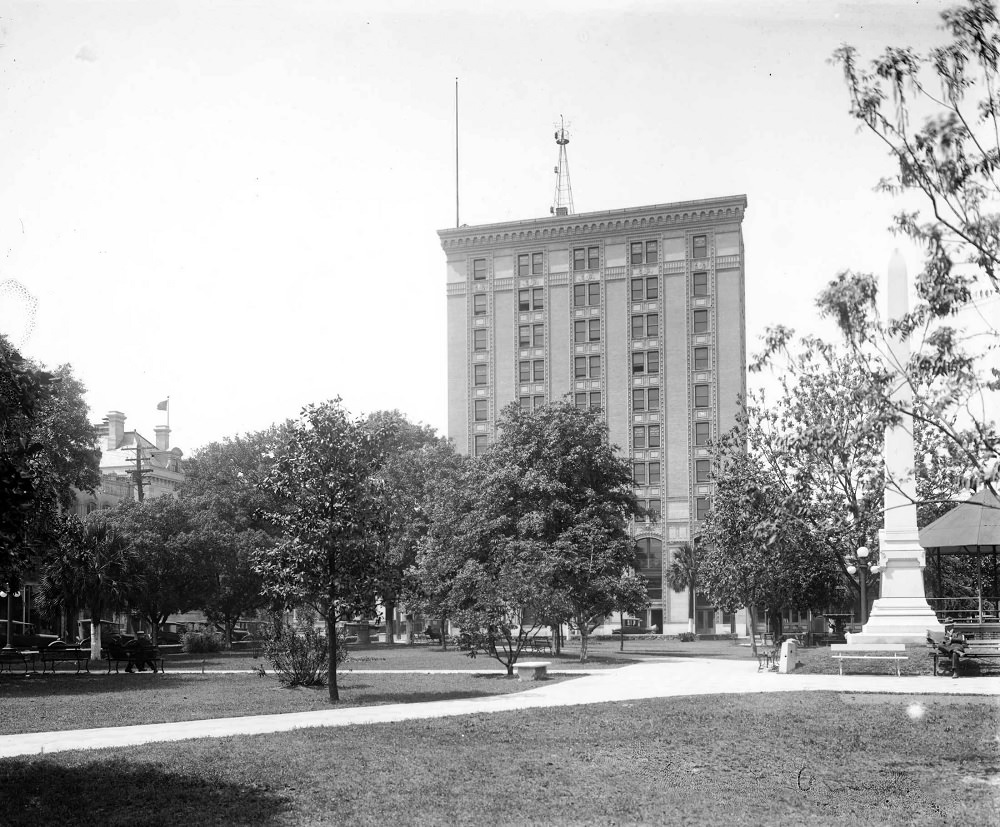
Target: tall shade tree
94, 566
47, 452
820, 443
414, 457
752, 555
441, 552
937, 116
553, 488
225, 486
170, 556
326, 475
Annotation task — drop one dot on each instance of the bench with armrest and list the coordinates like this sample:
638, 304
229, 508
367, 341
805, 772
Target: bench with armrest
133, 657
59, 652
9, 657
979, 642
541, 643
868, 651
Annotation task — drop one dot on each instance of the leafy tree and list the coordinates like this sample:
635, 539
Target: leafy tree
414, 457
325, 472
628, 595
225, 485
682, 573
47, 451
821, 444
234, 588
937, 116
94, 566
441, 552
752, 555
552, 488
169, 554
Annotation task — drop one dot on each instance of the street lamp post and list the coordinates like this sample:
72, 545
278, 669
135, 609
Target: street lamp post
861, 568
10, 594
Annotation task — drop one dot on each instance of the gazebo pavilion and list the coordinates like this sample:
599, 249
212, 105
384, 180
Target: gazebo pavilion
972, 528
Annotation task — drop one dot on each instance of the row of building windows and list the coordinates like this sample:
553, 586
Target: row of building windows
643, 399
588, 400
646, 436
646, 473
528, 403
646, 362
589, 258
587, 330
646, 326
587, 367
652, 509
586, 258
532, 299
646, 289
531, 371
587, 295
531, 335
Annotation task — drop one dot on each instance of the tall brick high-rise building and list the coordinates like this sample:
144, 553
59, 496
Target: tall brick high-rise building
638, 312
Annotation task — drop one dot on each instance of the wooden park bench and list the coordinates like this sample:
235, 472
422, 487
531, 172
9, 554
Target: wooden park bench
59, 652
541, 643
860, 651
532, 670
768, 657
10, 657
979, 642
132, 657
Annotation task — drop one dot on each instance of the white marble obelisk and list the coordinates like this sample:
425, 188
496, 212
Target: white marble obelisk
901, 614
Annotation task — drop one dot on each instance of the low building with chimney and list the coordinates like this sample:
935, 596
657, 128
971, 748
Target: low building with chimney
160, 465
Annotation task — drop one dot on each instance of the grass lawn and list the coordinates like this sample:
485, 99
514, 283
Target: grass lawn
44, 703
809, 758
602, 654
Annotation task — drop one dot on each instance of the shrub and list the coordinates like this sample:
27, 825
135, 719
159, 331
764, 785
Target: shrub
299, 654
206, 641
686, 637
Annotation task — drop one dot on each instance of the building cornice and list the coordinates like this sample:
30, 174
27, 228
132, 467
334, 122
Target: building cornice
631, 220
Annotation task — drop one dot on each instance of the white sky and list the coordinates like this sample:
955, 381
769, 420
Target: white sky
235, 203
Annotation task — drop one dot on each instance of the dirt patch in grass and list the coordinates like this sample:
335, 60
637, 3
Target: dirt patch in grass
804, 758
48, 703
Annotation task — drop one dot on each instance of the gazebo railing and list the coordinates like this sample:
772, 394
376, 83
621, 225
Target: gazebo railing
965, 608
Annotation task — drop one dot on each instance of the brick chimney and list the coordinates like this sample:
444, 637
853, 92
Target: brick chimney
162, 438
116, 429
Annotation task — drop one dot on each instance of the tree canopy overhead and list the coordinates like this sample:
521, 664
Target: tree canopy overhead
937, 115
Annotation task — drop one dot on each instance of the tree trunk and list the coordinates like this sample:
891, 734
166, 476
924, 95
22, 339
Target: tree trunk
390, 613
557, 639
753, 630
621, 643
584, 640
331, 642
95, 634
692, 625
444, 637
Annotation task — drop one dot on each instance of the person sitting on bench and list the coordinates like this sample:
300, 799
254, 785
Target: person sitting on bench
143, 650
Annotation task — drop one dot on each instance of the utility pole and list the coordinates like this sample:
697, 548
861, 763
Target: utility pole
139, 473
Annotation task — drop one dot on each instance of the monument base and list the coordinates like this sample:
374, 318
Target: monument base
898, 620
902, 614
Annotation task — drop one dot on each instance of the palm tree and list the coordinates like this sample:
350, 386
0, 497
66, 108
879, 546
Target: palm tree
683, 574
94, 566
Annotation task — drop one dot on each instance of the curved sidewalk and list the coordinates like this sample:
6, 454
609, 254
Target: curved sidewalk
642, 680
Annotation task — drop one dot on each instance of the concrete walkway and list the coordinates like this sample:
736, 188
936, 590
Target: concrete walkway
667, 678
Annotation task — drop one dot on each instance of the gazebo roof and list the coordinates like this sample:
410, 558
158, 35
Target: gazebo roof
971, 527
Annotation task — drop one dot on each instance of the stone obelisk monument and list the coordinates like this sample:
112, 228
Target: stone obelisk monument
901, 614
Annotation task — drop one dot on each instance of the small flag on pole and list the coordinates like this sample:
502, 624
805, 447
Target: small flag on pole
162, 406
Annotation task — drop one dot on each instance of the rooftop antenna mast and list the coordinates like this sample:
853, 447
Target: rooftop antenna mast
562, 201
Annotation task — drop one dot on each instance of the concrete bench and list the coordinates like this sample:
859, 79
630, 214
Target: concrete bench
857, 651
532, 670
